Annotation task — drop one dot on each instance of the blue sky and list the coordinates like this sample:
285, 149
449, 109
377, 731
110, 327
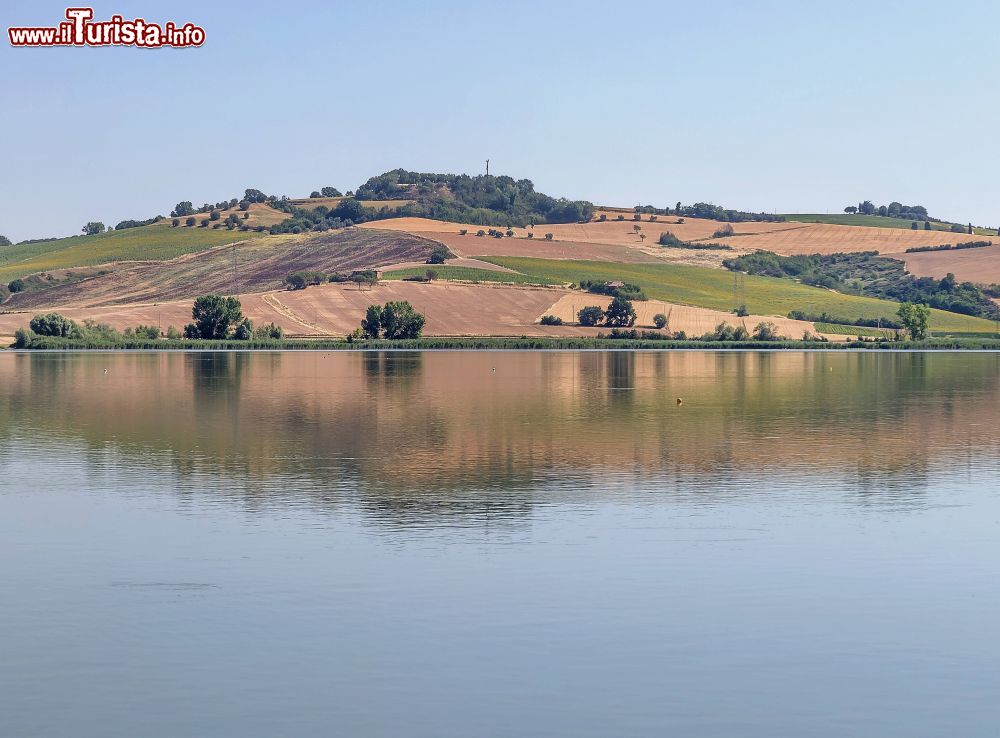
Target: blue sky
778, 106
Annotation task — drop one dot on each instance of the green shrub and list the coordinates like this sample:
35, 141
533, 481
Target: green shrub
269, 331
146, 331
660, 320
766, 331
244, 331
551, 320
23, 339
54, 324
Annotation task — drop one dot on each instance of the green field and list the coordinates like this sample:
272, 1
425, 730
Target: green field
874, 221
714, 288
468, 274
153, 242
853, 330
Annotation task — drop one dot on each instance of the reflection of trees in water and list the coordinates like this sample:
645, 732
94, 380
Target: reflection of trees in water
217, 377
620, 367
408, 437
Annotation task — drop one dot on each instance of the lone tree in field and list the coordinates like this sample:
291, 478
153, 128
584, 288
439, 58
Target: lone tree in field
365, 277
590, 315
620, 313
93, 228
914, 318
214, 314
190, 221
637, 228
393, 320
330, 192
660, 321
851, 209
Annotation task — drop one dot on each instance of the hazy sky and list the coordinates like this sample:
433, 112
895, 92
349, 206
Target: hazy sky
786, 106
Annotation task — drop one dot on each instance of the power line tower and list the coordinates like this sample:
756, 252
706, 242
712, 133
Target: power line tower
487, 167
739, 291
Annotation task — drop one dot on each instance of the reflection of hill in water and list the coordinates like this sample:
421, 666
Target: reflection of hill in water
441, 433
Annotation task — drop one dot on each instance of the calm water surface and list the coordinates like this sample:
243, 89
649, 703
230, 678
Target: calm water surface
499, 544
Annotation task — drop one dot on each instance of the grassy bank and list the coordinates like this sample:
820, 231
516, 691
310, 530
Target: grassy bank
498, 343
713, 288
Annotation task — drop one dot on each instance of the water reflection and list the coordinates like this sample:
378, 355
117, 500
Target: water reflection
463, 436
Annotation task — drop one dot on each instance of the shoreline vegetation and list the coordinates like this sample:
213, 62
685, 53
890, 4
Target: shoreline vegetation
52, 343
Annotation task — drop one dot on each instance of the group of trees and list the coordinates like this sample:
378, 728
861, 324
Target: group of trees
483, 199
713, 212
326, 192
94, 228
123, 225
619, 314
214, 318
394, 320
347, 212
892, 210
218, 318
4, 241
872, 275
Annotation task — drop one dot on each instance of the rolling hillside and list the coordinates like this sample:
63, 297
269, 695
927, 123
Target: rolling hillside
714, 288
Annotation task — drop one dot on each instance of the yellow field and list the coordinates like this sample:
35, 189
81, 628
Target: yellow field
337, 309
818, 238
694, 321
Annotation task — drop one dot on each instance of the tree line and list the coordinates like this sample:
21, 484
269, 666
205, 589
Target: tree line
867, 273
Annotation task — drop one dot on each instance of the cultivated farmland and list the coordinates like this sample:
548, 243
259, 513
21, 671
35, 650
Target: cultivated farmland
714, 288
148, 243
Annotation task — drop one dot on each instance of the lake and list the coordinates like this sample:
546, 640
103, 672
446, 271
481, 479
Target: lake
499, 544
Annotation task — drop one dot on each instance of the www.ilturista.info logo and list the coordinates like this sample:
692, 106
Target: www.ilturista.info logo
79, 29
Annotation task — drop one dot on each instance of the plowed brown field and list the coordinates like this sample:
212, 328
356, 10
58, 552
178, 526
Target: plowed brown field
968, 265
